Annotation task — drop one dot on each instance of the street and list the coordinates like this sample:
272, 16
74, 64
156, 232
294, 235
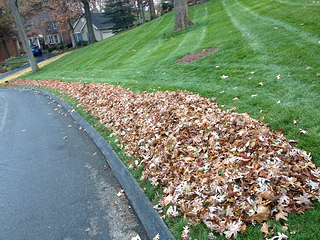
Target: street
55, 182
43, 57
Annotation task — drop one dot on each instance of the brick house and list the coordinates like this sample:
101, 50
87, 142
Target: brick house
12, 44
42, 30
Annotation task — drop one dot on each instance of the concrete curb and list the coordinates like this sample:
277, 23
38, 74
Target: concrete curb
148, 216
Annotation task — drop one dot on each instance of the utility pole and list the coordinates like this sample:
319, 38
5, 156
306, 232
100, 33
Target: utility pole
22, 32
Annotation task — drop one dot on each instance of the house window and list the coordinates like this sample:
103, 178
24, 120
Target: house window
78, 37
29, 27
53, 39
54, 25
49, 27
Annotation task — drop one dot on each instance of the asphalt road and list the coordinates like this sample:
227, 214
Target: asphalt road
54, 180
43, 57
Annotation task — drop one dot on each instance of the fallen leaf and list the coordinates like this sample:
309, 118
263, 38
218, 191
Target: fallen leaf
265, 229
263, 214
281, 215
284, 227
303, 131
224, 77
278, 77
309, 68
235, 99
243, 228
261, 83
254, 95
279, 237
157, 237
294, 121
65, 137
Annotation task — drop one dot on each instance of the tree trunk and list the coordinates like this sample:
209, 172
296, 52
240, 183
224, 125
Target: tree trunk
142, 11
87, 14
23, 35
181, 15
6, 47
152, 11
73, 40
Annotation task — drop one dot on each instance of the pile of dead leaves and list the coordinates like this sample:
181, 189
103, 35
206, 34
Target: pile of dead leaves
219, 167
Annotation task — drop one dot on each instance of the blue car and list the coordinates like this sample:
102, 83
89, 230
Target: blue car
36, 51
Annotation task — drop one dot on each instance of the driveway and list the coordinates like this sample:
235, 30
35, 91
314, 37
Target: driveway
55, 182
39, 59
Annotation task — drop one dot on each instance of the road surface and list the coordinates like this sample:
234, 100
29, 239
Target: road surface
54, 180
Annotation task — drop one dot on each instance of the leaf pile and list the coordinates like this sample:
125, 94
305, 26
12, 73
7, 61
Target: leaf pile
220, 167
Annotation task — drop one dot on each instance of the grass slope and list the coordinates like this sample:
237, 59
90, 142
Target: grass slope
267, 37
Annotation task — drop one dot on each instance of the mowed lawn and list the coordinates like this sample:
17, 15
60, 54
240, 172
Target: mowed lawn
270, 51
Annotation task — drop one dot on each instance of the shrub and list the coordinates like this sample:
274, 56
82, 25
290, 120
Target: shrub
82, 43
50, 49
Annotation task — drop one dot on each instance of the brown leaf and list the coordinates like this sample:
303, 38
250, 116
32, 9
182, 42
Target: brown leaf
265, 229
282, 215
263, 214
243, 228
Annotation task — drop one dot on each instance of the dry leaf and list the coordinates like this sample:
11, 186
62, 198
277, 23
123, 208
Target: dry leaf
281, 215
265, 229
65, 137
243, 228
303, 131
263, 214
157, 237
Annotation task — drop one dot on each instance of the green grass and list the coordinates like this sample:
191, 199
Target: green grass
267, 37
19, 62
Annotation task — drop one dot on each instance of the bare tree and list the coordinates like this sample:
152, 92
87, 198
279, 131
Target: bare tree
87, 15
152, 10
181, 15
22, 32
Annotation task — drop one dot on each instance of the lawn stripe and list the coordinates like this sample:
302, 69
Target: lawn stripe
128, 47
179, 50
305, 36
144, 54
298, 4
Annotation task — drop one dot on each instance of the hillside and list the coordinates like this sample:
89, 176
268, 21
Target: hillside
266, 63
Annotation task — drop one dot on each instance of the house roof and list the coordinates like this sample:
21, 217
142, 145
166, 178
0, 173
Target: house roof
40, 16
98, 19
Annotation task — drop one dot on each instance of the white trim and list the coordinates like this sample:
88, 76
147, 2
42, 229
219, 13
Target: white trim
75, 23
95, 27
84, 24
